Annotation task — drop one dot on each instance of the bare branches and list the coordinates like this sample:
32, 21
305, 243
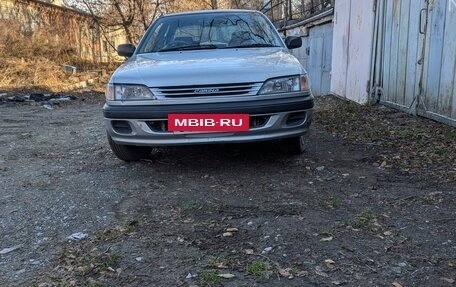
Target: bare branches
135, 16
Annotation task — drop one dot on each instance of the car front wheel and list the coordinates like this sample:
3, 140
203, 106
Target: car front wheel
295, 145
128, 152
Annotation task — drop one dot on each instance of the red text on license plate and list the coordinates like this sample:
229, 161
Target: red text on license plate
208, 122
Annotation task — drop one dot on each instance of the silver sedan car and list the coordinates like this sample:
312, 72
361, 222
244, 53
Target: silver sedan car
223, 76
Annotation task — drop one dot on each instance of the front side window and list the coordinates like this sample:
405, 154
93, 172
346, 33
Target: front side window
209, 31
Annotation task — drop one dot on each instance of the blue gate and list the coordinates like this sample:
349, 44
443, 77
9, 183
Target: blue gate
315, 55
415, 57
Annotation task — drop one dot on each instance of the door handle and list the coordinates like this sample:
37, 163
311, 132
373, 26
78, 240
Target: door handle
423, 29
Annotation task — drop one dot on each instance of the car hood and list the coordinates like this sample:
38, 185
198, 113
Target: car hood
205, 67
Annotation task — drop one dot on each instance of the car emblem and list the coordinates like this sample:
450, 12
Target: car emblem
206, 91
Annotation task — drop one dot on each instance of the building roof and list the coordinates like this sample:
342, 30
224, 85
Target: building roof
60, 7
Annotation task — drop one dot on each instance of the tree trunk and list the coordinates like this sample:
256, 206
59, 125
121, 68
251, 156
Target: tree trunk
290, 10
125, 22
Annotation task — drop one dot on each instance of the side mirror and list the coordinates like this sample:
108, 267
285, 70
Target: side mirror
126, 50
293, 42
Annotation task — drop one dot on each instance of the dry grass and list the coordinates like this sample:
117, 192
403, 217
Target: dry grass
34, 60
27, 73
15, 42
31, 60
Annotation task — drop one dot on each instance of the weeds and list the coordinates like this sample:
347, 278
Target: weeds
190, 205
154, 243
434, 259
363, 219
336, 202
208, 278
449, 133
258, 269
191, 257
35, 59
110, 260
38, 72
327, 232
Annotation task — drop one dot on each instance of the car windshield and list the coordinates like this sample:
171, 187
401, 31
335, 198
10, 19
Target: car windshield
210, 31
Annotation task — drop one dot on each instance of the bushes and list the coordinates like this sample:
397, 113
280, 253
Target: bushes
31, 59
35, 59
25, 73
19, 43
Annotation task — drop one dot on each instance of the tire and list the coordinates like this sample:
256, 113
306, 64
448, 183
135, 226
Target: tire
295, 145
128, 152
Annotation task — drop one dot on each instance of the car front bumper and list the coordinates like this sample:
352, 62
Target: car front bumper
280, 118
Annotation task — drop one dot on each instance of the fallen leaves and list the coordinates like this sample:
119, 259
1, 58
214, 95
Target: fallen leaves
327, 239
331, 264
448, 280
229, 232
232, 229
407, 143
285, 272
387, 233
226, 275
221, 265
321, 273
248, 251
111, 269
10, 249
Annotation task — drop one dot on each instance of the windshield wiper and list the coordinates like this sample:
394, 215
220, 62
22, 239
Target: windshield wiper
192, 47
251, 46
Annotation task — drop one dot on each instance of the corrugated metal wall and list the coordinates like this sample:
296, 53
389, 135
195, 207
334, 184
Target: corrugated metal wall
415, 59
439, 101
401, 46
320, 58
316, 57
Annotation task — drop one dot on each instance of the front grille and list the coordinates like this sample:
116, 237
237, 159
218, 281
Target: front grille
234, 89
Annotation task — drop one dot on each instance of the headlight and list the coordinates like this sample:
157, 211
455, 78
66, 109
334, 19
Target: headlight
128, 93
285, 85
110, 92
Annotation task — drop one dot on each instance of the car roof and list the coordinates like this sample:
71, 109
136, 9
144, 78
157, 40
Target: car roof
221, 11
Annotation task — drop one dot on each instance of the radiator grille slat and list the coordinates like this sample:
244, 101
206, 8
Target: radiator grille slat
233, 89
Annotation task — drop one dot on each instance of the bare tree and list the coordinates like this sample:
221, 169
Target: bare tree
135, 16
132, 16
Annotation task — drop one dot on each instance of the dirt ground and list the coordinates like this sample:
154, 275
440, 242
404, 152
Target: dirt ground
371, 203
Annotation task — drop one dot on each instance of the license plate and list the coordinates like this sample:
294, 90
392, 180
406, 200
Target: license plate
208, 123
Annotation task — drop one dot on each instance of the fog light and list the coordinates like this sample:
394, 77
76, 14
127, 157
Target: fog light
295, 119
121, 127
